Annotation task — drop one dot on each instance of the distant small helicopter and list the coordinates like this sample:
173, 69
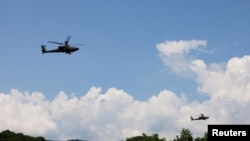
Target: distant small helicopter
64, 48
201, 117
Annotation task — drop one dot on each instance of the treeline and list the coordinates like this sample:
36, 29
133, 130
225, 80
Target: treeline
185, 135
8, 135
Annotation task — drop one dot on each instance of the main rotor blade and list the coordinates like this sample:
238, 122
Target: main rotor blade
68, 38
78, 44
55, 42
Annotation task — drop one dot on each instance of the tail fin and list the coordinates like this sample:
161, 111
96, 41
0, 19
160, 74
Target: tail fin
43, 49
191, 118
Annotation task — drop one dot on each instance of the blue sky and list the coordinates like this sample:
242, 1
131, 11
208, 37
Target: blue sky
119, 38
120, 50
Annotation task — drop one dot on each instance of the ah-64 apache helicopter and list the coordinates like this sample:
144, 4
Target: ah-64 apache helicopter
63, 48
201, 117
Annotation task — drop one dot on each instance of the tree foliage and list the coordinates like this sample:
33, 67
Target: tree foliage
144, 137
185, 135
8, 135
202, 138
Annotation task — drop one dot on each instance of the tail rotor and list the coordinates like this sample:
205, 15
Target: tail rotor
43, 49
192, 118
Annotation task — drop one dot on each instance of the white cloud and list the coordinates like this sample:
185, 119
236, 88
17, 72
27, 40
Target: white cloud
179, 47
115, 115
26, 113
227, 84
175, 54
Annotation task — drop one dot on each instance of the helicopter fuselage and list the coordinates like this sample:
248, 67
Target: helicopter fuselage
64, 47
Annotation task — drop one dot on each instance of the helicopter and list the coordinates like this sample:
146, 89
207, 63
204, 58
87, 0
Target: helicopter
201, 117
63, 48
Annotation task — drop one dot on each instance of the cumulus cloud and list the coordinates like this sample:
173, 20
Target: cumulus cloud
227, 84
111, 116
114, 115
176, 54
26, 113
179, 47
